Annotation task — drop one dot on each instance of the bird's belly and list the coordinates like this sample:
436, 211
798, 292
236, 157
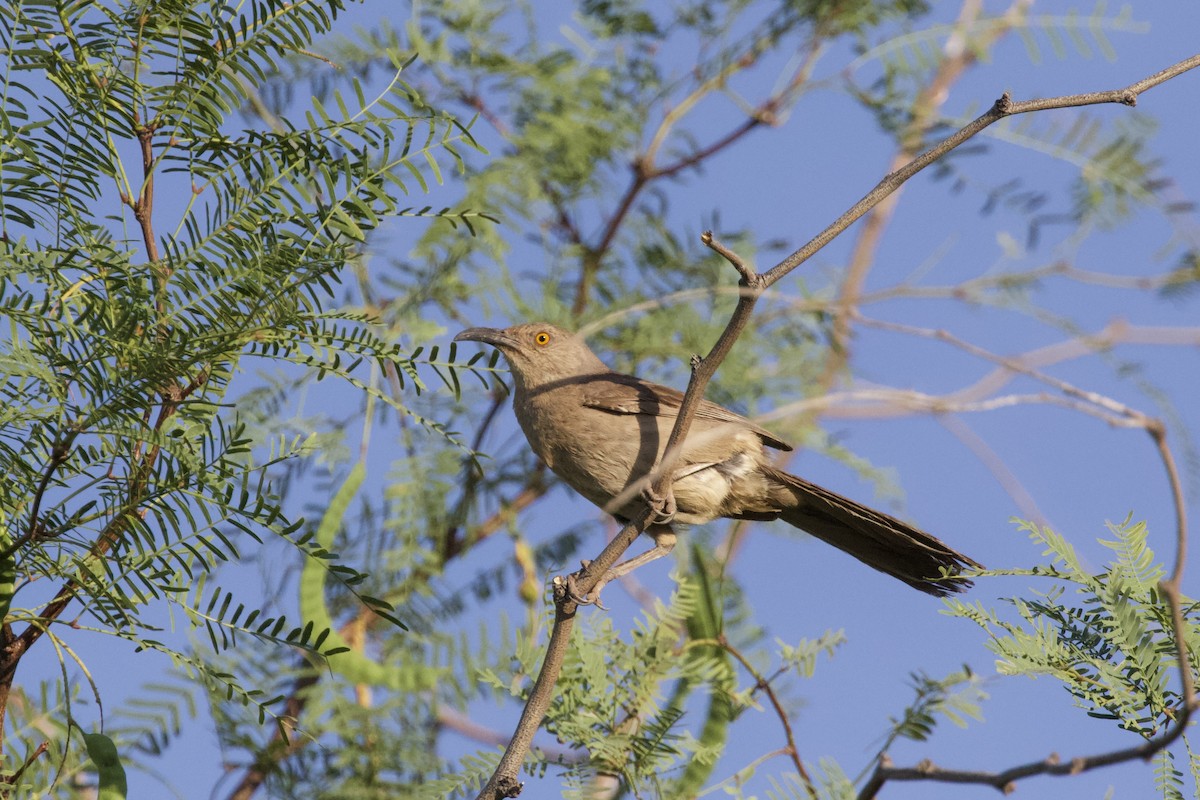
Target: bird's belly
702, 492
729, 488
700, 496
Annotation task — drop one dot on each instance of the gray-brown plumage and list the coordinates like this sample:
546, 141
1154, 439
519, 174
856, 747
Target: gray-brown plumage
603, 433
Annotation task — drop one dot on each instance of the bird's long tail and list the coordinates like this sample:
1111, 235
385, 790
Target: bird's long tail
874, 538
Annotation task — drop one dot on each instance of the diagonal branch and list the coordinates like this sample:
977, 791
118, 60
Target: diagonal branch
645, 168
1003, 108
764, 683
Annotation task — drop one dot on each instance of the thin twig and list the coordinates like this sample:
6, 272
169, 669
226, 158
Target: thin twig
36, 753
267, 760
1028, 364
59, 454
645, 170
1003, 108
764, 684
454, 720
503, 782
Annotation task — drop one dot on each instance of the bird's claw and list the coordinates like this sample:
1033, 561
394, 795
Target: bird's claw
662, 506
570, 586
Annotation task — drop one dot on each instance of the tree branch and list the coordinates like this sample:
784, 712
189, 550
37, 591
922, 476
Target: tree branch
1001, 109
761, 682
279, 746
960, 54
1171, 591
645, 169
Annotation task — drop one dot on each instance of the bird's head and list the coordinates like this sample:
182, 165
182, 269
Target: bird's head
538, 353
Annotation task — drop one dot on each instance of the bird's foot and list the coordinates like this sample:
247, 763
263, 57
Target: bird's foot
663, 506
570, 587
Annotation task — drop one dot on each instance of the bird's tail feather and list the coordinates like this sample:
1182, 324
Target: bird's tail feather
874, 538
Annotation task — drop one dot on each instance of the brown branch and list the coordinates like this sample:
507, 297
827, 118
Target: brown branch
645, 170
108, 537
503, 781
762, 115
143, 206
473, 99
260, 769
451, 544
1003, 108
452, 547
1116, 332
534, 487
764, 684
14, 646
563, 220
592, 256
454, 720
34, 755
1171, 591
279, 745
143, 212
59, 454
766, 113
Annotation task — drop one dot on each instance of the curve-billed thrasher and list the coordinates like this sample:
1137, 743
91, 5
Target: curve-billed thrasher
603, 433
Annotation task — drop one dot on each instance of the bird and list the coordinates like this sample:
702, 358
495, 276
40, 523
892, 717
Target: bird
603, 433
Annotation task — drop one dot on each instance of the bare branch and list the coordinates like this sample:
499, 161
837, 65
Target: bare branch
764, 684
279, 746
1171, 590
644, 169
503, 782
746, 271
454, 720
1001, 109
34, 755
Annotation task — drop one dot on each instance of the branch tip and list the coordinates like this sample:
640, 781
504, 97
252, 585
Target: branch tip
749, 277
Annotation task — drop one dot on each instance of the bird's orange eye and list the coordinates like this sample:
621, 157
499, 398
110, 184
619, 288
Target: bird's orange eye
542, 338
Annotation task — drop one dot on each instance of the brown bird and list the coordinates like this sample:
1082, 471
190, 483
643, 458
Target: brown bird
603, 433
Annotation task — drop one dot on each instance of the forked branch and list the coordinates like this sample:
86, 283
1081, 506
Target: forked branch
1171, 589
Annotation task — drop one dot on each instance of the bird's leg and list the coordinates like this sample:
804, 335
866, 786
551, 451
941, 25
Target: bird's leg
664, 543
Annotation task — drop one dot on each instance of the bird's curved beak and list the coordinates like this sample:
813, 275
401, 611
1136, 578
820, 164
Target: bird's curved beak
493, 336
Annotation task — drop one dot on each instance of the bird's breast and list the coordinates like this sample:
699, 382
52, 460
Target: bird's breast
593, 451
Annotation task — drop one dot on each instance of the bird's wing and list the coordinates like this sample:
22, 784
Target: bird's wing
615, 393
